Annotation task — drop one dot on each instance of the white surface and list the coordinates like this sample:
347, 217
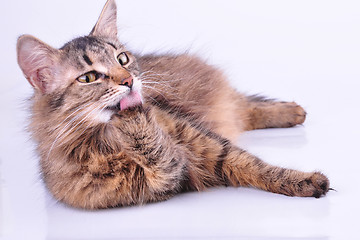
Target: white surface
307, 51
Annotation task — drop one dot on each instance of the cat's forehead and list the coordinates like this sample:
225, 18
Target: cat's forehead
89, 43
84, 52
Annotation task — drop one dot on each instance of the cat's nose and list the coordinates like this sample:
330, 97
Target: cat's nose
127, 81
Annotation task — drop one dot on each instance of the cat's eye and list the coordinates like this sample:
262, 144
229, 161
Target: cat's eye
88, 77
123, 58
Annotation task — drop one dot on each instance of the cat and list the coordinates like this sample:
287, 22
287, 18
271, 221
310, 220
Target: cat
116, 129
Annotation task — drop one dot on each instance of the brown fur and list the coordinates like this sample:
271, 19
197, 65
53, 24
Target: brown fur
94, 156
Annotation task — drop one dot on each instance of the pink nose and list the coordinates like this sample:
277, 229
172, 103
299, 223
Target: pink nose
127, 82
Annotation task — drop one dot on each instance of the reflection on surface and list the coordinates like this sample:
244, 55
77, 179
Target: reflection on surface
276, 138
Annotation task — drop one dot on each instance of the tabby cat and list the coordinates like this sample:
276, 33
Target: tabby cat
116, 129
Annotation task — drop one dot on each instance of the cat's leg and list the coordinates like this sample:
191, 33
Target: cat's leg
218, 162
239, 168
154, 151
148, 166
213, 160
264, 113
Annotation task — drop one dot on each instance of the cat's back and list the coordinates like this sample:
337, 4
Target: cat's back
191, 85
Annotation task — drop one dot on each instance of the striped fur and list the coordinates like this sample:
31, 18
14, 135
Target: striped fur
94, 154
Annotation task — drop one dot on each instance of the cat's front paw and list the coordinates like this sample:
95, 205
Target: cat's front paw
316, 186
134, 119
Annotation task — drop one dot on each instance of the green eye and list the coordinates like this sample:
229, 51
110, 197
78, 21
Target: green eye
88, 77
123, 58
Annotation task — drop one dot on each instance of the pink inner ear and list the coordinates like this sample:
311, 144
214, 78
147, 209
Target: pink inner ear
37, 71
36, 80
36, 60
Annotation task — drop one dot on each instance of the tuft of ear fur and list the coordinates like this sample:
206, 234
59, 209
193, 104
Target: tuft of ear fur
37, 60
106, 24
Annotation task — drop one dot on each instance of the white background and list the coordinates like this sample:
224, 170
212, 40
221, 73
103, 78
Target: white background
303, 51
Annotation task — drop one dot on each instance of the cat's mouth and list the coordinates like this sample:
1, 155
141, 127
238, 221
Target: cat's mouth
130, 100
114, 108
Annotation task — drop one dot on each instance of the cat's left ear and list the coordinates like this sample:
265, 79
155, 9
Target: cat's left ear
106, 25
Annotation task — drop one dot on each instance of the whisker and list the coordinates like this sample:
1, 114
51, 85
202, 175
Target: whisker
64, 129
162, 80
161, 85
159, 92
153, 99
161, 77
154, 73
77, 109
114, 94
92, 121
83, 120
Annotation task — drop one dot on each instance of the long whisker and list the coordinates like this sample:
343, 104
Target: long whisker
154, 73
160, 85
64, 129
159, 92
103, 106
77, 109
153, 99
147, 82
161, 77
162, 80
83, 120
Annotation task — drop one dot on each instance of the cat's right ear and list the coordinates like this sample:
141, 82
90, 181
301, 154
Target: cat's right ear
37, 61
106, 25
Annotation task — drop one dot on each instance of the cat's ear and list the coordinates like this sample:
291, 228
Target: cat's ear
106, 24
37, 60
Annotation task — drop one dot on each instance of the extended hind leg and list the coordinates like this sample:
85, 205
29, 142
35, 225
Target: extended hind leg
263, 113
240, 168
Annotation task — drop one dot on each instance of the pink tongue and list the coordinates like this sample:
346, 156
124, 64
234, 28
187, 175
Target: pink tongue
131, 100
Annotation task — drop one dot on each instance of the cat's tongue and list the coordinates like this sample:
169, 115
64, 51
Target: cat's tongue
131, 100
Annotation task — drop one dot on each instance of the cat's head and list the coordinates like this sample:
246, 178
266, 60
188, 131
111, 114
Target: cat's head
94, 74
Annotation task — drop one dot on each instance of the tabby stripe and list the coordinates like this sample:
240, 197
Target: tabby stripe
220, 163
111, 45
87, 60
57, 102
189, 119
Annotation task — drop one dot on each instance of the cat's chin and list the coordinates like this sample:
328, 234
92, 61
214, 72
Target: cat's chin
117, 108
